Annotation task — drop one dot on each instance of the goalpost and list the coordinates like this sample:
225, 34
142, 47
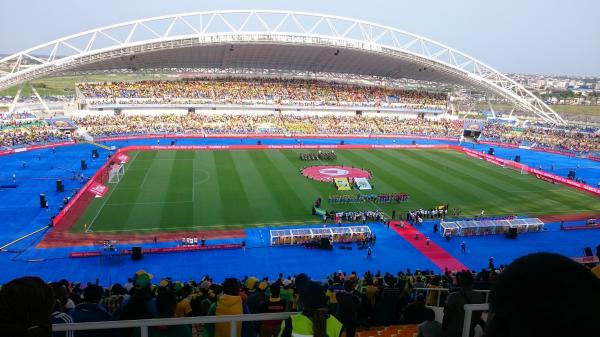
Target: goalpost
116, 173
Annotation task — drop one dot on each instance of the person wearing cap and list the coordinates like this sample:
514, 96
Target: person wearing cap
257, 296
275, 304
141, 303
454, 312
314, 319
184, 306
250, 285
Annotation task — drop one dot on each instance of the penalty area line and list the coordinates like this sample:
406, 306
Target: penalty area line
89, 227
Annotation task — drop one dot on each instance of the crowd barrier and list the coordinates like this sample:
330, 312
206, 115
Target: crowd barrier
438, 294
180, 249
506, 145
586, 259
582, 227
143, 324
164, 250
233, 320
469, 308
85, 254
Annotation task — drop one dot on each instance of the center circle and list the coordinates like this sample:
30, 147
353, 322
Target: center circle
328, 172
334, 172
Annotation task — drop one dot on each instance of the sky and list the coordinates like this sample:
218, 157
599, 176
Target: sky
514, 36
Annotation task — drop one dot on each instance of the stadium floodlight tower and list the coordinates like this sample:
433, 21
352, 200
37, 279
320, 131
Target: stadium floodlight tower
296, 42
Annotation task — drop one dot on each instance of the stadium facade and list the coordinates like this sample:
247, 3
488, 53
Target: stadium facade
262, 43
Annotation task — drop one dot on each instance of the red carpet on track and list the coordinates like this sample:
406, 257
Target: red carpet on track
433, 252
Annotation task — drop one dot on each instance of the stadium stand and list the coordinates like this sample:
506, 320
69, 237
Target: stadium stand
257, 91
378, 304
571, 138
27, 133
520, 299
35, 131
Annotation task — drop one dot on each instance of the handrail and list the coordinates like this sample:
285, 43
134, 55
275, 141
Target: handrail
469, 308
143, 324
427, 290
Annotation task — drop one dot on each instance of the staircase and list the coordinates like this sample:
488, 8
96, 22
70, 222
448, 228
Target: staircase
106, 147
87, 138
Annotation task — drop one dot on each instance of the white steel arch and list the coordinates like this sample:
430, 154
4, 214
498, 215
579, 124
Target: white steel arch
260, 26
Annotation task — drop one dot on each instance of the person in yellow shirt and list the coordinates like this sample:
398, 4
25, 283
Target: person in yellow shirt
596, 271
372, 291
184, 306
432, 296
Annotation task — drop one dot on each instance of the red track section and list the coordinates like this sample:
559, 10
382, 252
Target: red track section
64, 238
433, 252
569, 217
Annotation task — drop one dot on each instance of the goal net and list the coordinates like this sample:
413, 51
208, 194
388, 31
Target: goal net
116, 173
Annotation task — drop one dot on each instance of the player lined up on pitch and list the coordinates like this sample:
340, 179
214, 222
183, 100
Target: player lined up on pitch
312, 156
358, 198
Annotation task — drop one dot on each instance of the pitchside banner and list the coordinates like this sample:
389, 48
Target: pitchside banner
123, 158
98, 189
537, 173
558, 179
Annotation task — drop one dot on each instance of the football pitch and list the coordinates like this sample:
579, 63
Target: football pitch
179, 190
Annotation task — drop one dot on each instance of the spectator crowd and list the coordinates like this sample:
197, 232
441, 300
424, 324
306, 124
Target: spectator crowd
522, 297
256, 91
563, 138
35, 131
271, 123
30, 132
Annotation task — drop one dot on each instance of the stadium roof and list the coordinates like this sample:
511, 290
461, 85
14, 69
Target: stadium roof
263, 39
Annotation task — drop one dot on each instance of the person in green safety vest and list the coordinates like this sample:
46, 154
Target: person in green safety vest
314, 321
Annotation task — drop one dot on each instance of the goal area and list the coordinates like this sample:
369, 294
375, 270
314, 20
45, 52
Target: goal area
115, 174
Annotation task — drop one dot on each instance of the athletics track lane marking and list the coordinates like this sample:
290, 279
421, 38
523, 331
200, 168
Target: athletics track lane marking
433, 252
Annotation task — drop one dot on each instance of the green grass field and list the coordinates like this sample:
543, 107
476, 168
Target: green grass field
195, 190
